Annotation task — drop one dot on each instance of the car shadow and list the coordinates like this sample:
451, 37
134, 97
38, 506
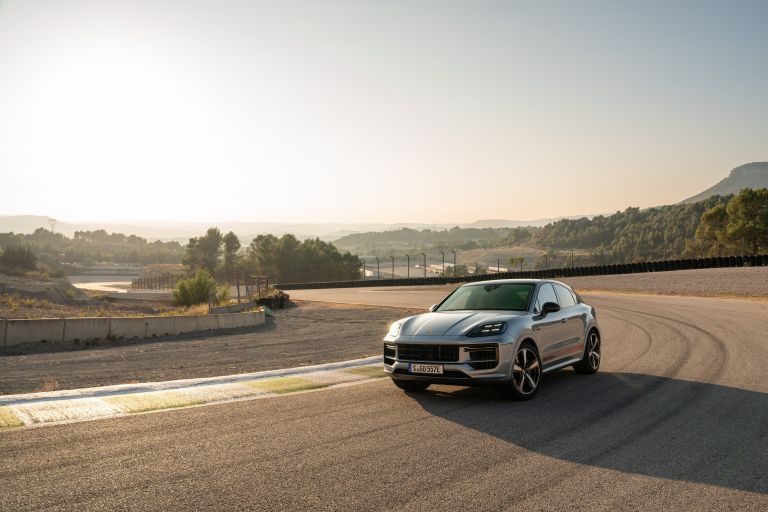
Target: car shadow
634, 423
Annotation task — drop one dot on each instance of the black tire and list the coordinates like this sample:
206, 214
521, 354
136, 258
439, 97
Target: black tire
526, 372
590, 363
411, 385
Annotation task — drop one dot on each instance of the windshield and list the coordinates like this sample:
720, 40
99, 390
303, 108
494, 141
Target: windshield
508, 297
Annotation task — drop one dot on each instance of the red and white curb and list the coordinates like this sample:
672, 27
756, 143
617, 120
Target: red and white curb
46, 408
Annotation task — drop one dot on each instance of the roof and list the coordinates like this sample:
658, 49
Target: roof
508, 281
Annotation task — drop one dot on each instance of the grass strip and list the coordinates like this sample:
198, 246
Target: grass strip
283, 385
8, 419
143, 402
373, 372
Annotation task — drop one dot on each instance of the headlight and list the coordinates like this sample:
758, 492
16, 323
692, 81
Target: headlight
394, 329
488, 329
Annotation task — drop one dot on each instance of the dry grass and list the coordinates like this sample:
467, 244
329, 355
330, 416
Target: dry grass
373, 372
153, 401
283, 385
15, 302
8, 419
48, 384
20, 307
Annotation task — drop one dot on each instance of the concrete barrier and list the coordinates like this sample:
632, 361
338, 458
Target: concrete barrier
127, 327
158, 326
232, 321
92, 328
208, 322
29, 331
182, 324
14, 332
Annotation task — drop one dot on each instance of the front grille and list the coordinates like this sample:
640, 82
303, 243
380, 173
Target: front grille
389, 354
483, 357
430, 353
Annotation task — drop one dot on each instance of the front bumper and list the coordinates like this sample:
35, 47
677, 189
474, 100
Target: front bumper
470, 367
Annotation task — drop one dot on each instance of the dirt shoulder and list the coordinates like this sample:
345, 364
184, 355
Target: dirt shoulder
41, 297
310, 333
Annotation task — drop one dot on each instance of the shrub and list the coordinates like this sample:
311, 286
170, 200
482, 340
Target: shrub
222, 297
18, 257
195, 290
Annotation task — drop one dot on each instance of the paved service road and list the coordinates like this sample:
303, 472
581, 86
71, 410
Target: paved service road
677, 419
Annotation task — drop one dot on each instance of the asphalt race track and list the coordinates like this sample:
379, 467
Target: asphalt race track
677, 419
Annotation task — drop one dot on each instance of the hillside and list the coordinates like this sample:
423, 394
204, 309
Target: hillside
752, 175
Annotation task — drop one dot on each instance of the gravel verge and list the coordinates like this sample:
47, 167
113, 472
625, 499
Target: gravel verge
308, 334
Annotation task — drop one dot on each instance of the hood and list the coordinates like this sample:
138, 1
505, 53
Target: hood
450, 323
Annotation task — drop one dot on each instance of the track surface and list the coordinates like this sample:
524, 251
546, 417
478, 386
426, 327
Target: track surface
677, 419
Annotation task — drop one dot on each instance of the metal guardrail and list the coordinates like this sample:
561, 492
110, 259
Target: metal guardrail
592, 270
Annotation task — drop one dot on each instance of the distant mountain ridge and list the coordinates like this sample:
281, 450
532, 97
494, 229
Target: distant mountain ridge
182, 231
751, 175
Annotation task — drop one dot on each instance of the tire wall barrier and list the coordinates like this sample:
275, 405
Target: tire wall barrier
16, 332
594, 270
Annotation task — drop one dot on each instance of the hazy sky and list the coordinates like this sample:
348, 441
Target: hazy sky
374, 111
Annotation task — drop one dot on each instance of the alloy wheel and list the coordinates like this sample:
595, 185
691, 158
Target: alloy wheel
593, 350
526, 372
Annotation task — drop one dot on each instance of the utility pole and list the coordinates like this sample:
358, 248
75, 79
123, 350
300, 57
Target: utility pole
393, 266
425, 264
378, 266
498, 266
454, 261
571, 259
364, 276
408, 258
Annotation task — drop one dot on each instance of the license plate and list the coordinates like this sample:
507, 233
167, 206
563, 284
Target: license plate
434, 369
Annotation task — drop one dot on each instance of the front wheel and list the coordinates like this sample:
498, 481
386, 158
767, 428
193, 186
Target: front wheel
411, 385
526, 372
591, 360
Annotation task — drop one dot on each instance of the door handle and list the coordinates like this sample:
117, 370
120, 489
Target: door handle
563, 320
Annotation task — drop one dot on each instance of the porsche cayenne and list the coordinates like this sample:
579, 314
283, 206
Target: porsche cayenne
507, 332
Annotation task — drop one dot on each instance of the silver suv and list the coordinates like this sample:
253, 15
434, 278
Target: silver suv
506, 332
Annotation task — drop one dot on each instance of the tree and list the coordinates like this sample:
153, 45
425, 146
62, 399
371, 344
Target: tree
205, 251
748, 218
286, 259
262, 256
231, 246
712, 229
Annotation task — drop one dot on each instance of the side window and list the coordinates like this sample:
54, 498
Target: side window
564, 296
546, 294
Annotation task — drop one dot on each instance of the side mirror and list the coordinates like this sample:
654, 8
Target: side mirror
432, 307
550, 307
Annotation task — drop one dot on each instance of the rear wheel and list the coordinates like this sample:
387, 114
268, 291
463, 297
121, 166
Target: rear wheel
526, 372
591, 360
411, 385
